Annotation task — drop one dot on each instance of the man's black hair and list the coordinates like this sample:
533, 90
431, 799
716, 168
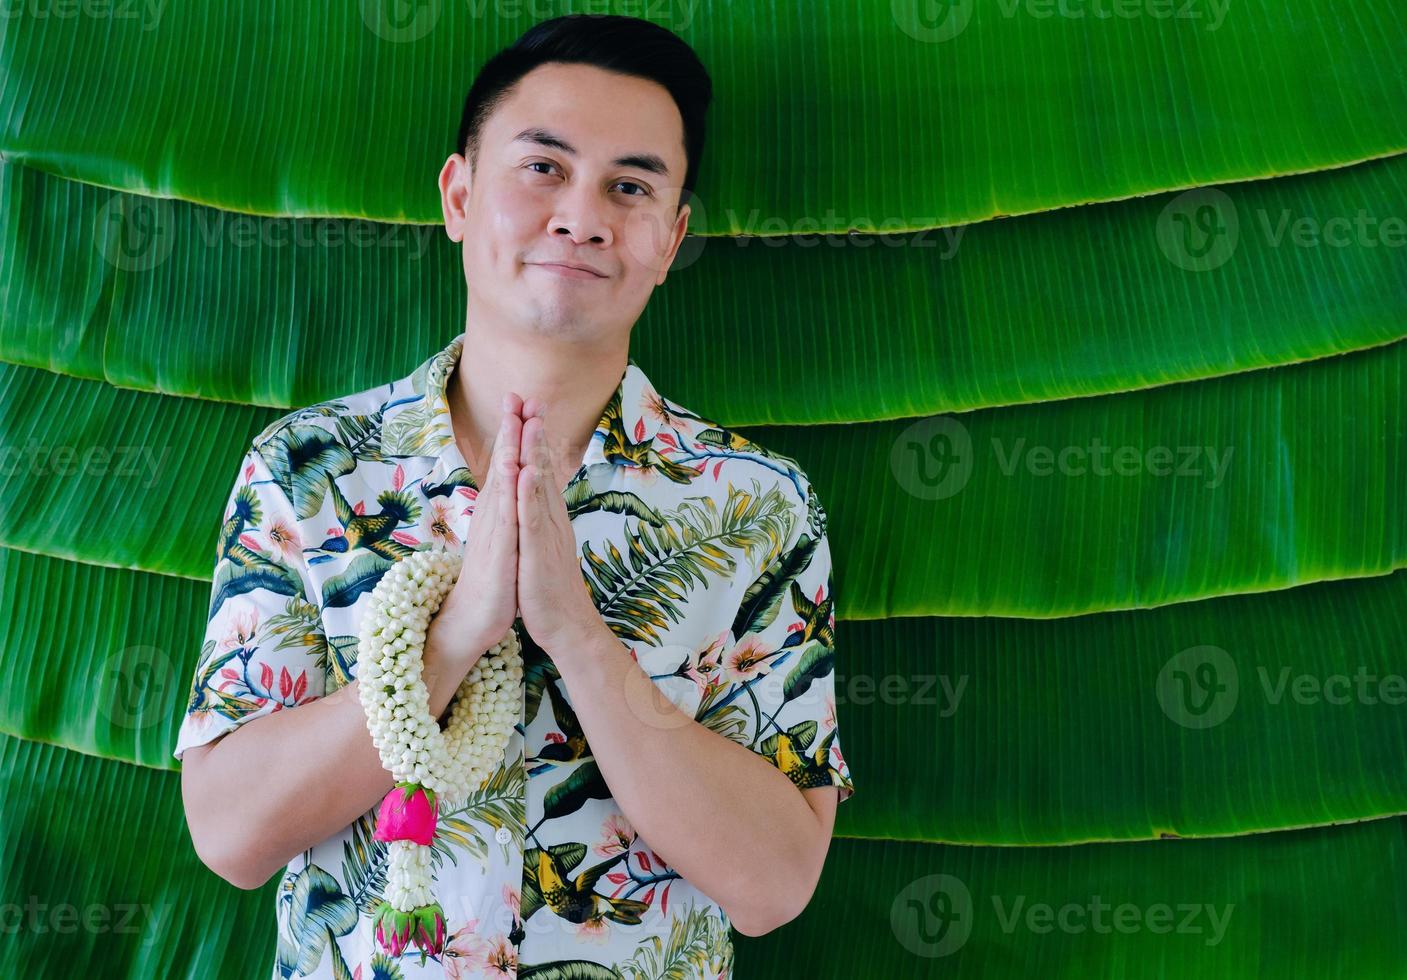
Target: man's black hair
627, 45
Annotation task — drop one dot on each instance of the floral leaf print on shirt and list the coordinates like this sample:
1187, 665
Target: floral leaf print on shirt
382, 533
568, 796
705, 554
568, 746
304, 459
359, 579
781, 671
329, 410
361, 434
635, 449
581, 500
696, 943
241, 565
412, 432
313, 913
763, 598
573, 896
691, 549
207, 693
341, 661
235, 680
300, 626
569, 970
468, 828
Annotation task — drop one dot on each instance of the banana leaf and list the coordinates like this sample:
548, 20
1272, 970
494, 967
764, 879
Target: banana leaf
168, 296
985, 730
116, 856
1316, 903
1247, 483
967, 111
102, 880
960, 729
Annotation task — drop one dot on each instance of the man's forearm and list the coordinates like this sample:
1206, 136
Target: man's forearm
722, 816
284, 782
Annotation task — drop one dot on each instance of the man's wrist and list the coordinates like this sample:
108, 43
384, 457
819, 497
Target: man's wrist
450, 639
588, 646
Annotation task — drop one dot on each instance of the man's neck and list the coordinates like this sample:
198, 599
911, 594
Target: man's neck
573, 387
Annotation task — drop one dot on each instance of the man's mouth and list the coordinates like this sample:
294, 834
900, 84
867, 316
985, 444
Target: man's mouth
568, 271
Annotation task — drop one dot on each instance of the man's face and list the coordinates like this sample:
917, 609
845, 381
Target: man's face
580, 166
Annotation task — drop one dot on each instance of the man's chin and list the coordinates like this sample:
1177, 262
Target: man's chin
558, 318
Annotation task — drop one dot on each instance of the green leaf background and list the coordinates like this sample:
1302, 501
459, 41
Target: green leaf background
1109, 426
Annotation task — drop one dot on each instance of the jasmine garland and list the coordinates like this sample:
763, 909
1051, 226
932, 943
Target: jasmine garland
430, 766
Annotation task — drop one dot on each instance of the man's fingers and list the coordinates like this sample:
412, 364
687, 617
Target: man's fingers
501, 474
507, 462
508, 512
510, 461
535, 451
501, 444
528, 470
510, 431
527, 511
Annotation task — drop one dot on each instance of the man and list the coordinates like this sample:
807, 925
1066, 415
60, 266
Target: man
676, 768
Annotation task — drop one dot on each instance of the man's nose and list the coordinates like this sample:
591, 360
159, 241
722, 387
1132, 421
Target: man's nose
582, 216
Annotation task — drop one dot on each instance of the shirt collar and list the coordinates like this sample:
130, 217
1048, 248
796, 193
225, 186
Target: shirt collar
417, 423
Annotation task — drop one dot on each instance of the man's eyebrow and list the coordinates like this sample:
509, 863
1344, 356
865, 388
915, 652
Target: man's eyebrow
649, 162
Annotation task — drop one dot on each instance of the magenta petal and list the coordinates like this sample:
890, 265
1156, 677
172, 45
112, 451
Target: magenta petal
402, 934
392, 929
430, 928
406, 814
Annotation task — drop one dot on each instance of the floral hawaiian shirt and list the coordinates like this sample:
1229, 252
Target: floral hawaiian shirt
705, 553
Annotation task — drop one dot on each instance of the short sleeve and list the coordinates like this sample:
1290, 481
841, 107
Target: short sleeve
780, 672
264, 648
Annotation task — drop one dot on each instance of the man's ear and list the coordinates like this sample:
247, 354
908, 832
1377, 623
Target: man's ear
681, 228
456, 178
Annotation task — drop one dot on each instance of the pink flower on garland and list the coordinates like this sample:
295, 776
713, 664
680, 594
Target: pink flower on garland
407, 813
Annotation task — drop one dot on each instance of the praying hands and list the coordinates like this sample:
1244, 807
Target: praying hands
553, 598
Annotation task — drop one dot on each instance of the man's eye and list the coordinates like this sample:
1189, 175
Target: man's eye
643, 191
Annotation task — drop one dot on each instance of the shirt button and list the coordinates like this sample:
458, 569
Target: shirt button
503, 835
